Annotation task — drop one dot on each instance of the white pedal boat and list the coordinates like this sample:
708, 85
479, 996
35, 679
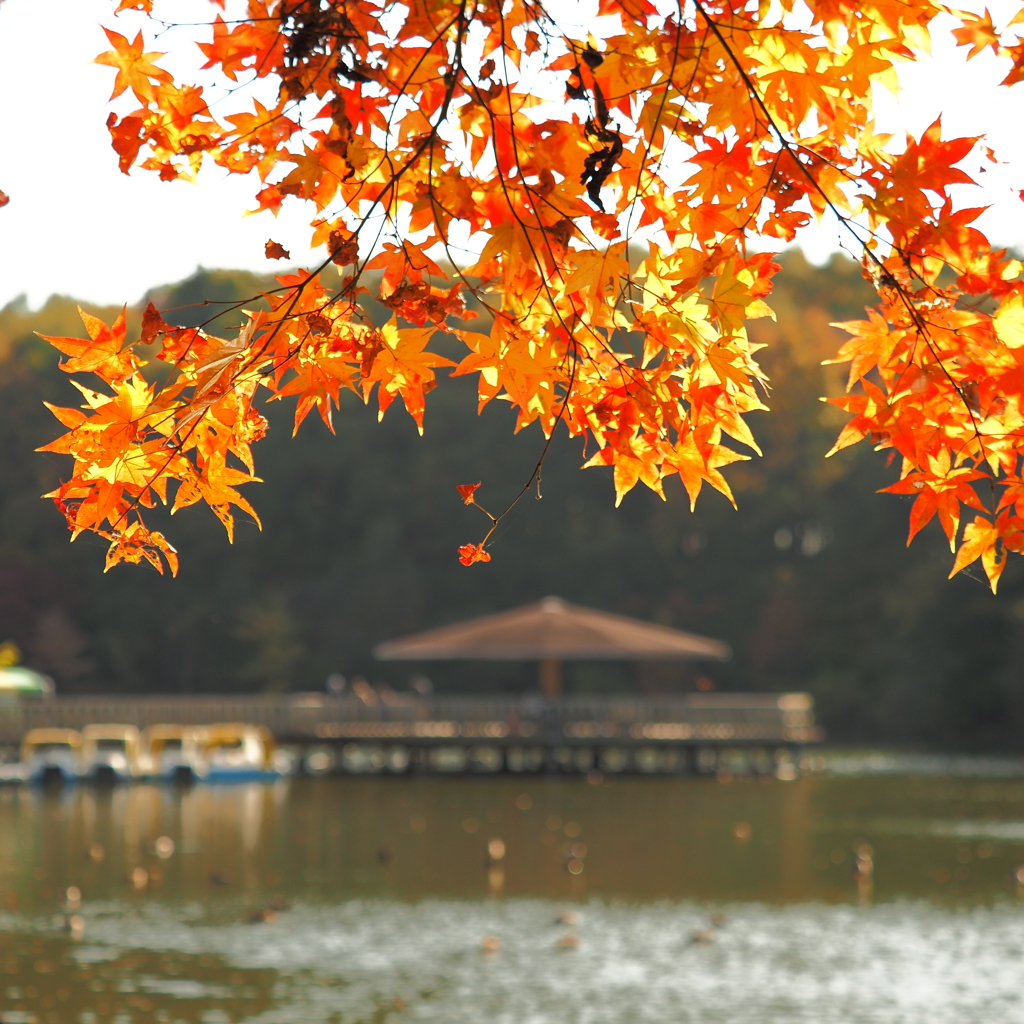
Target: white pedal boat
110, 753
51, 755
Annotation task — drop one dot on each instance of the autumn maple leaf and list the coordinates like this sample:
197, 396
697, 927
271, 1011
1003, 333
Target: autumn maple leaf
981, 540
403, 366
872, 342
929, 163
470, 553
136, 544
135, 69
977, 33
104, 352
940, 491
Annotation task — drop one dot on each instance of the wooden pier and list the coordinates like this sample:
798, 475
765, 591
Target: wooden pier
387, 732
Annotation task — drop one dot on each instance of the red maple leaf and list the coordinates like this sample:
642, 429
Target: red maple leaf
470, 553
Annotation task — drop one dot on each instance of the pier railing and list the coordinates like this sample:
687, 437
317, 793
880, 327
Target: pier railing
742, 719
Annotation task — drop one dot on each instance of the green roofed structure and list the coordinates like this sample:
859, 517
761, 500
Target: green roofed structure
18, 681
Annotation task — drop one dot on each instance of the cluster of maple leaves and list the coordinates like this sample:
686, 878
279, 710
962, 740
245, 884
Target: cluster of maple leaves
609, 184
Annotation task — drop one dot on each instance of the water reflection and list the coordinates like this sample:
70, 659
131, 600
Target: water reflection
548, 899
642, 839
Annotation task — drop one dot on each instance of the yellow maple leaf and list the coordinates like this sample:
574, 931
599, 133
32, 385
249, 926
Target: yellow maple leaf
403, 366
1008, 323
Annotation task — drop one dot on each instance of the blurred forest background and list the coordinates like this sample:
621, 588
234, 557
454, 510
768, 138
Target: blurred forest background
810, 581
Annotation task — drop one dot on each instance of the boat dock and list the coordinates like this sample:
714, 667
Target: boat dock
381, 731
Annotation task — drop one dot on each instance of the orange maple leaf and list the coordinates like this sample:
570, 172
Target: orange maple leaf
939, 494
978, 33
470, 553
467, 491
135, 69
403, 366
104, 352
136, 544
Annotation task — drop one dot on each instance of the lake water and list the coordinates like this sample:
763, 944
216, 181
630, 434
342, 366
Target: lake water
526, 901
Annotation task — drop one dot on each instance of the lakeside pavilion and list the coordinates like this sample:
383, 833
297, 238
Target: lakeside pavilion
552, 631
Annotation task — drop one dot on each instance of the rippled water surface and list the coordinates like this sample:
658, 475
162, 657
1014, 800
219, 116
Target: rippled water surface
642, 900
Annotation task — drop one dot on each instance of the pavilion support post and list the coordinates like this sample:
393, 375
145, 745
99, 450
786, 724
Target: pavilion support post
551, 678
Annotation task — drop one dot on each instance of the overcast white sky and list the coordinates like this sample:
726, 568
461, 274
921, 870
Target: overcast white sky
76, 225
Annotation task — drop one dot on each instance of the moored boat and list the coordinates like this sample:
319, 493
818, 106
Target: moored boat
237, 752
51, 755
110, 753
171, 752
13, 771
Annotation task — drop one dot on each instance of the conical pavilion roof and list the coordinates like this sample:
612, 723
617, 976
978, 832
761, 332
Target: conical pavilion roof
552, 628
